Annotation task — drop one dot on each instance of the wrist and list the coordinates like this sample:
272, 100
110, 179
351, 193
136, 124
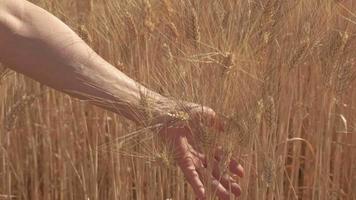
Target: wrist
167, 111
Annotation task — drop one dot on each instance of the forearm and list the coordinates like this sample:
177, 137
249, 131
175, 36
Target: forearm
37, 44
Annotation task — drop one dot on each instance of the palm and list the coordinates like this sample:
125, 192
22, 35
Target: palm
192, 163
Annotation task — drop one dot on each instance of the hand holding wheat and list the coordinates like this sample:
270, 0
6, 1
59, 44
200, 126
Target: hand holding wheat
193, 163
57, 57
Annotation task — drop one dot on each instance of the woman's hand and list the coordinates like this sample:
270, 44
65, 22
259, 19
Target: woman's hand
193, 163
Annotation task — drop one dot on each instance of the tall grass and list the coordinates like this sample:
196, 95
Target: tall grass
280, 73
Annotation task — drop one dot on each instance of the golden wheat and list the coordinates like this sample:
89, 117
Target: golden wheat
286, 97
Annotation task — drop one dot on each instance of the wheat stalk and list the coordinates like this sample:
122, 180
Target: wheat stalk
167, 4
4, 72
13, 113
148, 14
173, 30
167, 54
193, 28
131, 25
84, 34
228, 62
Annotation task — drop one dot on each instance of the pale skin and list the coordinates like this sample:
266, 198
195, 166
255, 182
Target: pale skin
37, 44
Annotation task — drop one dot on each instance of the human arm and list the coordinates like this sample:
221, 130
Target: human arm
37, 44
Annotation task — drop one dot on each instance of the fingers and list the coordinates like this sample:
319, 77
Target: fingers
220, 190
226, 183
199, 155
186, 162
223, 185
234, 166
226, 180
231, 185
192, 176
224, 188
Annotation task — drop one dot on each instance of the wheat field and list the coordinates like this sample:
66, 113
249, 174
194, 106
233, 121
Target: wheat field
280, 73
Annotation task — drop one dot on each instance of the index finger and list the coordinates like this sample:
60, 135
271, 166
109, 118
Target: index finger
192, 176
186, 163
